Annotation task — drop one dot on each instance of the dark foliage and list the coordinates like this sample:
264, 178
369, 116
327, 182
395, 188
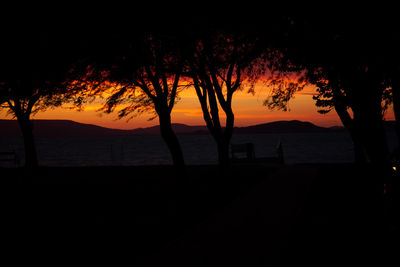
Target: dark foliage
35, 67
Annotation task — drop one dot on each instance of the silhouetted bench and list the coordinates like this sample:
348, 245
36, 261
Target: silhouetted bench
248, 154
247, 149
9, 156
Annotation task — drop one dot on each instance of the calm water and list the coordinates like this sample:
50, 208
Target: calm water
197, 149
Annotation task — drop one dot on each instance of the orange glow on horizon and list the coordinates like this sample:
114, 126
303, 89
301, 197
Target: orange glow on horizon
248, 109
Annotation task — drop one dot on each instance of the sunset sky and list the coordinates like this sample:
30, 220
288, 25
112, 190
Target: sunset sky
248, 110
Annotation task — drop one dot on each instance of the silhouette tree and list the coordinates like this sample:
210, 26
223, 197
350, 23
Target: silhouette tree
342, 57
141, 72
33, 69
219, 63
331, 96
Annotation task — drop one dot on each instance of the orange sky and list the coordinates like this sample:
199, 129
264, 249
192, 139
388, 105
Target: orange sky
248, 110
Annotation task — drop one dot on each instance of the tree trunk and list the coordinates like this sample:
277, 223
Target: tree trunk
223, 148
359, 151
224, 139
376, 145
223, 151
349, 124
360, 156
369, 122
26, 127
171, 140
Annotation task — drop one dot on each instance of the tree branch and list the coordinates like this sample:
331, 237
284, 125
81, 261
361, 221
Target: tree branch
154, 81
141, 83
173, 91
235, 86
31, 102
11, 106
203, 103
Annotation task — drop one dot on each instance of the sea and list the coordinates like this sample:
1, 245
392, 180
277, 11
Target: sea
333, 147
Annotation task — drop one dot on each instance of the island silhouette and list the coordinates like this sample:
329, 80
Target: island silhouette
69, 128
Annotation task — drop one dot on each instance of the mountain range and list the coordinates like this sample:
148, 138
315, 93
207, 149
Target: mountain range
68, 128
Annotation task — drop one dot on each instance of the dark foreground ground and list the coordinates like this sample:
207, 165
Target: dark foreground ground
310, 215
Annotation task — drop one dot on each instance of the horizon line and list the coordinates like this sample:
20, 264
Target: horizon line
177, 123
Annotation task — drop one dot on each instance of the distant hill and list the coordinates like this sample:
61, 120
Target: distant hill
67, 128
58, 128
178, 128
282, 127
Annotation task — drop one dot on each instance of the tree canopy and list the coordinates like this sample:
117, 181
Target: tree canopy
35, 68
347, 58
